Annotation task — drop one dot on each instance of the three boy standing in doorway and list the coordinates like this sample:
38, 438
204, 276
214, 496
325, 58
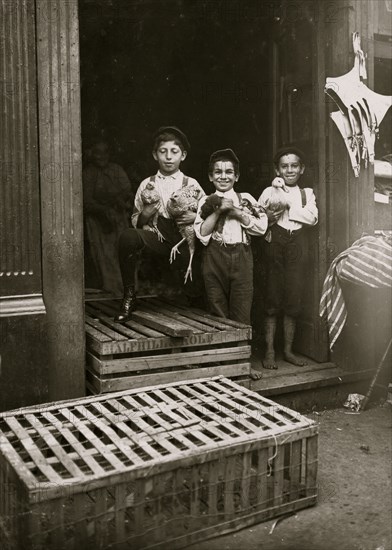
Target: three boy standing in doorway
224, 223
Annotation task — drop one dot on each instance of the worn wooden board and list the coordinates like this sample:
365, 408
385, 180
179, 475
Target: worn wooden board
156, 325
101, 384
150, 363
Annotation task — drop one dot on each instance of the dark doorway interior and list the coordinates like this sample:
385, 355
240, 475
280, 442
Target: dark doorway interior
201, 65
211, 67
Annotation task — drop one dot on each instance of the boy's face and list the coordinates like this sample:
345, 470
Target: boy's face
223, 175
290, 169
169, 157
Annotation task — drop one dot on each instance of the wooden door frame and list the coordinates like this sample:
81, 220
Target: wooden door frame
59, 127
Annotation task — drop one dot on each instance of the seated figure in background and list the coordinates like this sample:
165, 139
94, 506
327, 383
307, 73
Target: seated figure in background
107, 201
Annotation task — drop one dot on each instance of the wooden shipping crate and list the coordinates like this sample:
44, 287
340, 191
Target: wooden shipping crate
158, 467
163, 342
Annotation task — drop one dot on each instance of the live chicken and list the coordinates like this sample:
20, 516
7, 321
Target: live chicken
149, 195
182, 201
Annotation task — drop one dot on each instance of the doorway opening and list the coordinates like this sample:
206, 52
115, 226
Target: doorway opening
210, 68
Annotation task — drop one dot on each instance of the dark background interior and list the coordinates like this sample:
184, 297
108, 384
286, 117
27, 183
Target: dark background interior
201, 65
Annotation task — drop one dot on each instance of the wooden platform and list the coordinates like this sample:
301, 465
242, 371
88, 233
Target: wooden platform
163, 342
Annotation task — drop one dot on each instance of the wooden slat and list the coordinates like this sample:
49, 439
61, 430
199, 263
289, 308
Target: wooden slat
124, 447
104, 330
311, 465
119, 511
269, 403
295, 469
278, 465
117, 327
79, 506
13, 457
232, 402
96, 334
32, 449
246, 470
100, 523
55, 447
166, 342
195, 493
112, 310
102, 449
163, 324
138, 421
101, 410
262, 481
129, 382
220, 407
207, 315
213, 476
202, 317
174, 313
261, 408
230, 472
153, 362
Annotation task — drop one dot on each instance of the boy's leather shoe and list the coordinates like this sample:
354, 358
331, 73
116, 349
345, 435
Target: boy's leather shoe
128, 305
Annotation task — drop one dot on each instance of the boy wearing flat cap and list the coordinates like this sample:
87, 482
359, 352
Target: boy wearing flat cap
286, 250
225, 232
153, 229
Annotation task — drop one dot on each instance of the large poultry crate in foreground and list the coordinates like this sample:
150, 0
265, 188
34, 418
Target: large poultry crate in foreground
159, 467
163, 342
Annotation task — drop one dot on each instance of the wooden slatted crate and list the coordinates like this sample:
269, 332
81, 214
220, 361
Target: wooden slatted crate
152, 468
163, 342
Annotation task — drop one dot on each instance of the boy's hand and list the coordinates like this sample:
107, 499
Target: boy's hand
150, 209
226, 204
187, 218
274, 215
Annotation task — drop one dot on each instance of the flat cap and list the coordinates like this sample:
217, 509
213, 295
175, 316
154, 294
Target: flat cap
289, 150
176, 132
225, 154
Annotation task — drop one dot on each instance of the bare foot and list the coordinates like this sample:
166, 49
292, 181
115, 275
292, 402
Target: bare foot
294, 360
255, 374
269, 361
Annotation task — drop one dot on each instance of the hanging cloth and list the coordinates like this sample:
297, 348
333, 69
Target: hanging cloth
361, 109
368, 262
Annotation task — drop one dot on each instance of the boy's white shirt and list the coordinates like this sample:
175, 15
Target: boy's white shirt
232, 232
296, 216
164, 186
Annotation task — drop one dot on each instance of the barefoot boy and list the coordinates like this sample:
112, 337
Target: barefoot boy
154, 230
286, 251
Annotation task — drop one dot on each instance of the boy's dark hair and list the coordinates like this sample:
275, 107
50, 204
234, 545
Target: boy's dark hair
171, 133
288, 150
225, 155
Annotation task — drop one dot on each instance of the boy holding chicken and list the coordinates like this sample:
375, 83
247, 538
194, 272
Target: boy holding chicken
290, 209
153, 228
224, 223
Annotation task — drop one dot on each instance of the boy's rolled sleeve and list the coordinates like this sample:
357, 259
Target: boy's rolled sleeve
198, 222
308, 214
256, 226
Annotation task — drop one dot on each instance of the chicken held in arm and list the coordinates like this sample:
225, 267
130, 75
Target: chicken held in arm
181, 202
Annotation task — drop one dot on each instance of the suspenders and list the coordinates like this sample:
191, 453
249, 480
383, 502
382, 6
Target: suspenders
303, 197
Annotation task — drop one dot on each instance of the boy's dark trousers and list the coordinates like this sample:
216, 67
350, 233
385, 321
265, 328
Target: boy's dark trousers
228, 279
286, 258
134, 240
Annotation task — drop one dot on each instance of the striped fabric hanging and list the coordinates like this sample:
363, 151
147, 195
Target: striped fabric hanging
368, 262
